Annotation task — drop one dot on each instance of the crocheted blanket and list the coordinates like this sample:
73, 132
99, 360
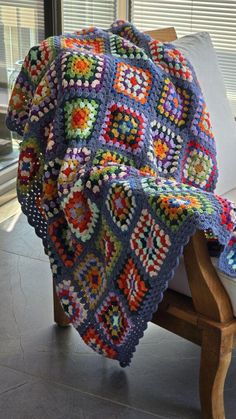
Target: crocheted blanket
116, 172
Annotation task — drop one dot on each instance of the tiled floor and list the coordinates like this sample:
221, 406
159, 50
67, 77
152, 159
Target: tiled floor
47, 372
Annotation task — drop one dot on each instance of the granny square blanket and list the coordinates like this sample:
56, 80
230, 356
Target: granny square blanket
117, 170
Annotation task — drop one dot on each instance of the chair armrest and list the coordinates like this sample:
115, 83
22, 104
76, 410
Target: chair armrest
209, 295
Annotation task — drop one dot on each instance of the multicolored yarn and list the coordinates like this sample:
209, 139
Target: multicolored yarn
116, 172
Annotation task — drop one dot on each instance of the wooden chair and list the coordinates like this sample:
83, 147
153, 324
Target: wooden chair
206, 319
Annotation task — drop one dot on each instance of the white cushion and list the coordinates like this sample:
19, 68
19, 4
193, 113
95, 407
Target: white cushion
180, 281
199, 50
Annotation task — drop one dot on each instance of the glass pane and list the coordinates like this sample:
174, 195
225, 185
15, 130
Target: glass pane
187, 16
78, 14
21, 27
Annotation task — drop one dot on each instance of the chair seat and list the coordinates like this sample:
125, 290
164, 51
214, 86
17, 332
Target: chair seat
180, 281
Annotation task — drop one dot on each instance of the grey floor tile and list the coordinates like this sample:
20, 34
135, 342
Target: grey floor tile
17, 236
12, 380
163, 376
44, 400
25, 293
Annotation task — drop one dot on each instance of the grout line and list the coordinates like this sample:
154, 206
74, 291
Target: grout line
84, 392
24, 256
10, 389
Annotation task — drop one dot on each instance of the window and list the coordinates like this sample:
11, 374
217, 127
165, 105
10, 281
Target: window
21, 27
78, 14
217, 17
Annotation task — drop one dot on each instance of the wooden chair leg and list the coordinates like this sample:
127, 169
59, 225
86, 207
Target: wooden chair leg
59, 315
215, 360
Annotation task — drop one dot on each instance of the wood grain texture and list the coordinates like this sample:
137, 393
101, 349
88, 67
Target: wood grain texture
208, 294
163, 35
207, 320
216, 356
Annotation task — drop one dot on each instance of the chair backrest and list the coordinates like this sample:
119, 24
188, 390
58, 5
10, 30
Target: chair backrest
163, 35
